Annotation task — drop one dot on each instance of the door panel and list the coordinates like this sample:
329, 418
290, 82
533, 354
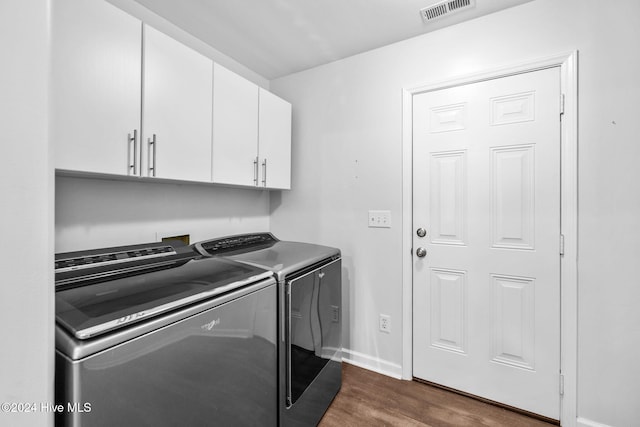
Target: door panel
487, 190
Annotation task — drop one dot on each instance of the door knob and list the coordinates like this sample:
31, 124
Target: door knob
421, 232
421, 252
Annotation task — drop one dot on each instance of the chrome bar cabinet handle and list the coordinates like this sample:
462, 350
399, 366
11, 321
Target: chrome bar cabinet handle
255, 171
153, 145
264, 172
133, 167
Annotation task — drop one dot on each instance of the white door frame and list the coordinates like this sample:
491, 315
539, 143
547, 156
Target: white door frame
568, 64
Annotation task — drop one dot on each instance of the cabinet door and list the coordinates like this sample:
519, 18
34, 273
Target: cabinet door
235, 128
95, 81
177, 109
274, 139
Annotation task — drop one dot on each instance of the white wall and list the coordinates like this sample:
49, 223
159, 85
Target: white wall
26, 214
347, 158
156, 21
94, 213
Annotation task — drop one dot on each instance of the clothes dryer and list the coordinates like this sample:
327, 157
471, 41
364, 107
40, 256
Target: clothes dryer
310, 317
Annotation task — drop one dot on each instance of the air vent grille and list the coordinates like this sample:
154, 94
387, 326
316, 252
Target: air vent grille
445, 8
434, 12
457, 4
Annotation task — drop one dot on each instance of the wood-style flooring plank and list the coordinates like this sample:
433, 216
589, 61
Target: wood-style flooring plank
371, 399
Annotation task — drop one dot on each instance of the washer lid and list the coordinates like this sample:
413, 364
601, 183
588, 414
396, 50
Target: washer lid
93, 309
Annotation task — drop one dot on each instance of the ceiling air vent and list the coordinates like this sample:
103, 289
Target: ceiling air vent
445, 8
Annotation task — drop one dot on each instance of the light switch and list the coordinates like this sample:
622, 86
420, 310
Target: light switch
380, 219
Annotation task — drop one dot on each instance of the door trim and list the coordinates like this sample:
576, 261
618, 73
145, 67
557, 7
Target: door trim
568, 64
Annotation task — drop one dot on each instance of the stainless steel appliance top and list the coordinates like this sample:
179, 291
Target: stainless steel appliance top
102, 290
264, 250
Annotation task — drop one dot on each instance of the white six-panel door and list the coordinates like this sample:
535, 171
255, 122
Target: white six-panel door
486, 295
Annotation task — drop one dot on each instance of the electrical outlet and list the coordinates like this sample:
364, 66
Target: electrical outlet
385, 323
380, 219
335, 314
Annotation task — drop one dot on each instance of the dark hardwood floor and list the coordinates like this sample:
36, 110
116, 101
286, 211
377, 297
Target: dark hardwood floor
371, 399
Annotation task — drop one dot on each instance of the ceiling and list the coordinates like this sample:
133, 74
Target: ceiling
275, 38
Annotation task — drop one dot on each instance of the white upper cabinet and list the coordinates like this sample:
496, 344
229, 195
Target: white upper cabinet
178, 99
235, 129
274, 137
130, 100
251, 134
95, 105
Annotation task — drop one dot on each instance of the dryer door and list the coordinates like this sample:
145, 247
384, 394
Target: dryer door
312, 326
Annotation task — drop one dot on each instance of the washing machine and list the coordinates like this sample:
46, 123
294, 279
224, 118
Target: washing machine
157, 335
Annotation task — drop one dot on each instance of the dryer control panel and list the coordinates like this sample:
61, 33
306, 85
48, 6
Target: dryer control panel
238, 243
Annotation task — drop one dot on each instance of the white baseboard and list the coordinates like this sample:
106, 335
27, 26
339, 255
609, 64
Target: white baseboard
372, 363
583, 422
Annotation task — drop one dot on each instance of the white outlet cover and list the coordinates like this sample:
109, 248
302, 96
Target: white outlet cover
385, 323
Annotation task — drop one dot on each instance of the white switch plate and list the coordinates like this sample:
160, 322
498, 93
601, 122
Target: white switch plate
380, 219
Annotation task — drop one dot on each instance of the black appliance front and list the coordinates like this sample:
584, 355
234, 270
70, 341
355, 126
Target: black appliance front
313, 365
